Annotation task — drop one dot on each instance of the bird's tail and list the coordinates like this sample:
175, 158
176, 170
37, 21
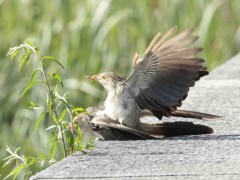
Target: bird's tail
177, 128
193, 114
185, 114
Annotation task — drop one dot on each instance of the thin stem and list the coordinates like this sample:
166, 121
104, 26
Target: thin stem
71, 118
51, 99
19, 157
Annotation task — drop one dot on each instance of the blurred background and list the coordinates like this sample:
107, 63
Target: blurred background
92, 36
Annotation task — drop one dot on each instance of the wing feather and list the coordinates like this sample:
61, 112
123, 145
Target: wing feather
162, 77
158, 44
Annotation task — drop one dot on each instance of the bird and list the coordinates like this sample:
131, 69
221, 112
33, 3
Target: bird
159, 82
95, 127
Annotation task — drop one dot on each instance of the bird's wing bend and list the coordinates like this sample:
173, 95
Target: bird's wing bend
161, 78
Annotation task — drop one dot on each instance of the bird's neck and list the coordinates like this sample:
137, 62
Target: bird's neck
114, 95
110, 87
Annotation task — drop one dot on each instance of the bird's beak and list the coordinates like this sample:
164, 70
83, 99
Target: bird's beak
92, 78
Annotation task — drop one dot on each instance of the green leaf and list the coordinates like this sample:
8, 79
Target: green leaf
52, 150
13, 52
57, 77
31, 160
49, 102
66, 93
51, 127
8, 157
69, 137
16, 150
77, 110
16, 171
34, 75
43, 166
52, 161
62, 115
32, 105
66, 122
43, 156
80, 135
53, 138
31, 44
60, 133
90, 144
29, 86
55, 119
50, 58
52, 95
38, 121
8, 162
27, 175
24, 58
64, 101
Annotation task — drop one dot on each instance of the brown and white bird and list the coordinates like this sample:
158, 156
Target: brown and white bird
102, 127
159, 82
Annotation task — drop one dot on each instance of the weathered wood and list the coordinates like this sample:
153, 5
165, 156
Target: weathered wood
214, 156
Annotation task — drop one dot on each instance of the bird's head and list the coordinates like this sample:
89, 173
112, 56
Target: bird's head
107, 79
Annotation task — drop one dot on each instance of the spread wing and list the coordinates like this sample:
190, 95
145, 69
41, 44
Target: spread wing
160, 80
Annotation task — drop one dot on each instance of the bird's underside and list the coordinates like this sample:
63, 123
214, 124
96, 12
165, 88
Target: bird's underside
107, 129
159, 82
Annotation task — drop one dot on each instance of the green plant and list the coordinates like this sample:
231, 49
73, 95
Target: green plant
56, 108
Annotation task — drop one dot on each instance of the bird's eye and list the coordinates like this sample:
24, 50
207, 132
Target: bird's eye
103, 77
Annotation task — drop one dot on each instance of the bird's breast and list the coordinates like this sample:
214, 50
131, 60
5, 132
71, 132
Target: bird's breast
121, 106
